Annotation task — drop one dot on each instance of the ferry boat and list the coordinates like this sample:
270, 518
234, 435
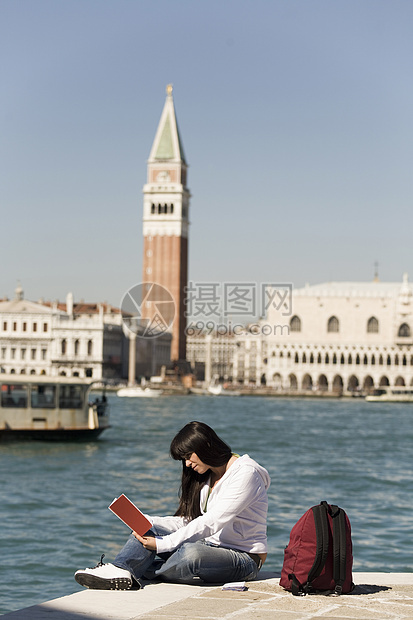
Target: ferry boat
396, 394
50, 408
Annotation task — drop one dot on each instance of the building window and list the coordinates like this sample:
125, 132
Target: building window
404, 331
372, 325
333, 325
89, 347
13, 353
24, 326
63, 347
5, 326
35, 327
45, 327
295, 324
76, 347
15, 326
33, 354
23, 354
44, 352
3, 353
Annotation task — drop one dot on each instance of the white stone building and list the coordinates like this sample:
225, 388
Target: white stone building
86, 340
25, 336
211, 356
342, 337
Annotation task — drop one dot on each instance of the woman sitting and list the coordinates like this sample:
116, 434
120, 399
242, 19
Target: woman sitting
218, 533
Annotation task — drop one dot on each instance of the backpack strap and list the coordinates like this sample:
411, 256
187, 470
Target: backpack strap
321, 530
296, 586
339, 548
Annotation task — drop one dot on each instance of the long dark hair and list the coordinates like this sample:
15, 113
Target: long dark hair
201, 439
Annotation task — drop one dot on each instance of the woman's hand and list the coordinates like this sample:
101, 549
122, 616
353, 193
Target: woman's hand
149, 542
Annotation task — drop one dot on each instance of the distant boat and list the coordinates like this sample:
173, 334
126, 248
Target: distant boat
136, 391
397, 394
50, 408
219, 390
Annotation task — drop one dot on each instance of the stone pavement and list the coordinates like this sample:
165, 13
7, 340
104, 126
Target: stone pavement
377, 596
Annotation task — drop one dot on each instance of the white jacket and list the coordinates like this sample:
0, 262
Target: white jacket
235, 515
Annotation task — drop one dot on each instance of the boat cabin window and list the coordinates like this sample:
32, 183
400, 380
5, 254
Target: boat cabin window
70, 397
13, 395
43, 396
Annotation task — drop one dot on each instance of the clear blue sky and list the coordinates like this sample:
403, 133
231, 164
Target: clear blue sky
296, 120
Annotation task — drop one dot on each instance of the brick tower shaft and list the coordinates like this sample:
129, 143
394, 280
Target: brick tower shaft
165, 220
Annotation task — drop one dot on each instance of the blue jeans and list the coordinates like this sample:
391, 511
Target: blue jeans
191, 563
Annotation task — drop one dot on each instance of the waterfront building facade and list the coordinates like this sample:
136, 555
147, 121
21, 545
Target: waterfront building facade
227, 356
339, 338
249, 358
212, 356
342, 337
85, 340
25, 336
166, 222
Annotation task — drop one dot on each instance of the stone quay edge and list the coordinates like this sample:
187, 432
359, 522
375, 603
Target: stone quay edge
377, 596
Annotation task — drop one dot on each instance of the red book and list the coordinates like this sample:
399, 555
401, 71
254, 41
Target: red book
127, 512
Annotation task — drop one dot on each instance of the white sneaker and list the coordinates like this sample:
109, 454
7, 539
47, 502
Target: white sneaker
104, 577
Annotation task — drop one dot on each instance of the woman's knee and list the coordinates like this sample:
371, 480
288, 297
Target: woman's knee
189, 552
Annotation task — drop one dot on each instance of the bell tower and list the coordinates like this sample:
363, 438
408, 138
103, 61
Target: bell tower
165, 220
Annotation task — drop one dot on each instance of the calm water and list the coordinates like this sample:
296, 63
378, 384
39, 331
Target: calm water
54, 499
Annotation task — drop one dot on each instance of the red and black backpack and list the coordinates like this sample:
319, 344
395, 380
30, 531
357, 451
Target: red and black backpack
319, 555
